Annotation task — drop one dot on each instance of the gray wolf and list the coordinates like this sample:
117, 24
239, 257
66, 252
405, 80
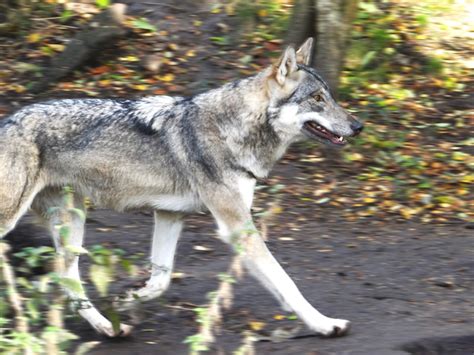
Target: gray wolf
173, 155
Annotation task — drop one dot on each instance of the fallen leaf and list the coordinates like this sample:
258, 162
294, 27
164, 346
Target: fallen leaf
256, 326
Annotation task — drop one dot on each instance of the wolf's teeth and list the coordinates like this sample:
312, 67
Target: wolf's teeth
341, 139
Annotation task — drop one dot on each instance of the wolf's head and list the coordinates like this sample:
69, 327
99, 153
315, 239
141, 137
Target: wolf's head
301, 104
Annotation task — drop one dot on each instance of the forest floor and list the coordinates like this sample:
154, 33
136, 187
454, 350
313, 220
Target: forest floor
381, 234
406, 287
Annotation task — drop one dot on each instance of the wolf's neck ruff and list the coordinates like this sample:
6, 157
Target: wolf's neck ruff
238, 113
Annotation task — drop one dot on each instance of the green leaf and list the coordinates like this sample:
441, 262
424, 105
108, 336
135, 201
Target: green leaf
71, 285
64, 232
66, 15
143, 24
114, 318
102, 3
101, 278
76, 249
367, 58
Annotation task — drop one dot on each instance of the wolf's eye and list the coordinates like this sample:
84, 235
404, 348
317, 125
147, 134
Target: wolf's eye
317, 97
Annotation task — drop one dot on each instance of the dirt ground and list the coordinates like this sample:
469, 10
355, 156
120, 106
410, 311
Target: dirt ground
406, 287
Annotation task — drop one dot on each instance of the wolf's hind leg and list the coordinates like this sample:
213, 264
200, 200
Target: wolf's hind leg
44, 205
168, 226
19, 182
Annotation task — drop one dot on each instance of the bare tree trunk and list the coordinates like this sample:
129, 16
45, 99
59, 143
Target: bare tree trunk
302, 22
329, 22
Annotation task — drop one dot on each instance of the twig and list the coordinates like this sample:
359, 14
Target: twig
46, 18
179, 307
173, 7
15, 298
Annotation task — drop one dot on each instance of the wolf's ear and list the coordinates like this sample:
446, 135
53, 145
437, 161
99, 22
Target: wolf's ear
286, 65
303, 55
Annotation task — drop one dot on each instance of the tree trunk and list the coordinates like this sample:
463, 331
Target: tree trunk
329, 22
302, 22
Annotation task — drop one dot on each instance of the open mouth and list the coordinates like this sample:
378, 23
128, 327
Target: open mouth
316, 130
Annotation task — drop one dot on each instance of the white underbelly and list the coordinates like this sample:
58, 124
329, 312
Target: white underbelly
167, 202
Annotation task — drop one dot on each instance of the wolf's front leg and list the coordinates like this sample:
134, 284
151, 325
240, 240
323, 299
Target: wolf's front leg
236, 227
262, 264
168, 226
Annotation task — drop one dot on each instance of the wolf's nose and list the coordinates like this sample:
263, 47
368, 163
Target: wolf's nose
356, 127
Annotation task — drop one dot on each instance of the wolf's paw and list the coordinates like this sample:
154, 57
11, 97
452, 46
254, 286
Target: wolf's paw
331, 327
106, 329
134, 297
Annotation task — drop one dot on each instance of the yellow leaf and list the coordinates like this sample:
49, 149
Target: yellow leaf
460, 156
178, 275
140, 87
129, 58
104, 82
57, 47
167, 77
408, 213
230, 9
354, 157
33, 38
369, 200
276, 209
191, 53
468, 179
19, 88
256, 326
262, 13
279, 317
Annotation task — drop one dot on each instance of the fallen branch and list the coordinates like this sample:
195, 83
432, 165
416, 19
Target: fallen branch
104, 29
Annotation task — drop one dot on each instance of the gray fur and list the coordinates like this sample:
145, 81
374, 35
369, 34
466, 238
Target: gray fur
165, 153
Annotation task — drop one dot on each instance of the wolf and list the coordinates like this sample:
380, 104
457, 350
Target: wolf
174, 156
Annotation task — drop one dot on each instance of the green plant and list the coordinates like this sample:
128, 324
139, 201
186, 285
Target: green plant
102, 3
143, 24
38, 307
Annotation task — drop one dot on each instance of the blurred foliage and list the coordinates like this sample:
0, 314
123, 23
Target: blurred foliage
267, 19
413, 157
39, 293
38, 283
